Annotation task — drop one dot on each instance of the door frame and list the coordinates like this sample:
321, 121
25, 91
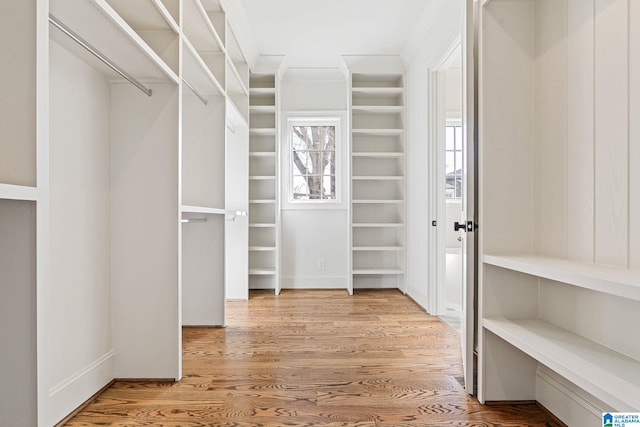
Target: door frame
437, 119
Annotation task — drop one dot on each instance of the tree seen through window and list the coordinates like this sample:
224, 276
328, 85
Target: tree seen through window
314, 157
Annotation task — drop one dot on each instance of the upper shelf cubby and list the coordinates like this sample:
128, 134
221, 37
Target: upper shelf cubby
380, 81
217, 17
100, 25
201, 29
238, 61
155, 24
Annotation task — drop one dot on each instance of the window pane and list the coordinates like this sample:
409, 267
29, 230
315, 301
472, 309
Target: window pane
329, 187
300, 188
450, 166
314, 162
303, 163
458, 163
450, 139
328, 162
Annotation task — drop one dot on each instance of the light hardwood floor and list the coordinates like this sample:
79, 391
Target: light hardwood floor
313, 358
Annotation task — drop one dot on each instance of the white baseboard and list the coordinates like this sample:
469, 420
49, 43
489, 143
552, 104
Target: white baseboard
73, 391
572, 405
313, 282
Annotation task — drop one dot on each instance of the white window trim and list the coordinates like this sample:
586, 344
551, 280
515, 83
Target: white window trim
328, 118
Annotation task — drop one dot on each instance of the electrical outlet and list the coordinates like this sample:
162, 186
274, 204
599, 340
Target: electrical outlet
322, 264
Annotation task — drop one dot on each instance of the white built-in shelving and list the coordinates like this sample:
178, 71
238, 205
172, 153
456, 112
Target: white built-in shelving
559, 286
106, 98
377, 180
263, 180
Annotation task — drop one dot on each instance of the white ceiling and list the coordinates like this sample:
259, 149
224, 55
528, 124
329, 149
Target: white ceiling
316, 33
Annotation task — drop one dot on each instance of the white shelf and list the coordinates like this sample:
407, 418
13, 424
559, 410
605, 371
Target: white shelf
262, 91
202, 210
610, 280
263, 131
238, 78
382, 132
378, 109
378, 90
262, 272
378, 271
18, 192
378, 178
379, 155
102, 27
262, 178
199, 28
377, 248
197, 74
608, 375
149, 15
261, 201
262, 154
261, 225
262, 248
262, 109
377, 225
375, 202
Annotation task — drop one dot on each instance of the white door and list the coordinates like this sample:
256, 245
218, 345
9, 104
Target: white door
468, 196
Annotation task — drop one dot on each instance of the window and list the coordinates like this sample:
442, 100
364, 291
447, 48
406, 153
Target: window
453, 141
313, 160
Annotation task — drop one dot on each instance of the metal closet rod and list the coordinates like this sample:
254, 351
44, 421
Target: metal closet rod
95, 52
195, 92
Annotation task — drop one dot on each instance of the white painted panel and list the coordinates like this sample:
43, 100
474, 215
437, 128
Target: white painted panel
634, 135
611, 131
616, 321
145, 221
80, 220
237, 199
203, 130
500, 361
580, 120
312, 236
203, 271
79, 284
18, 313
550, 127
314, 95
506, 137
18, 93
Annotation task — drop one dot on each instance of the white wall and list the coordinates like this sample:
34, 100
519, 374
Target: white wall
79, 295
420, 234
454, 91
310, 236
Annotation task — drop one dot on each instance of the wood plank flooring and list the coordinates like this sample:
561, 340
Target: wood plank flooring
310, 358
